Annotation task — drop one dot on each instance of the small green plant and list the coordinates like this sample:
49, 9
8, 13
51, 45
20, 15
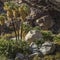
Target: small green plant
26, 28
47, 35
9, 48
57, 38
37, 28
39, 42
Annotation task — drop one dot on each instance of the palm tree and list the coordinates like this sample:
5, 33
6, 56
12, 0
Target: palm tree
24, 11
9, 6
16, 16
14, 11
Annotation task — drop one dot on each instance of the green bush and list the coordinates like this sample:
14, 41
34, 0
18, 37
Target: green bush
6, 47
3, 46
26, 28
10, 48
47, 35
57, 38
39, 42
37, 28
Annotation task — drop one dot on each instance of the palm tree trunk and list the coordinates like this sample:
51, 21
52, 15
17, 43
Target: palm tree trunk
14, 29
21, 30
17, 31
18, 34
17, 27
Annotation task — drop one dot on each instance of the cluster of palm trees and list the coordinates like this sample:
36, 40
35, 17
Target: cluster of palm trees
15, 12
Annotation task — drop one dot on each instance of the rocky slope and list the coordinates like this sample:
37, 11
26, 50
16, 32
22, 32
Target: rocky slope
43, 8
44, 13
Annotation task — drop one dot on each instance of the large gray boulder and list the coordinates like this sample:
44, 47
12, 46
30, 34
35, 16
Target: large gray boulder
47, 48
33, 35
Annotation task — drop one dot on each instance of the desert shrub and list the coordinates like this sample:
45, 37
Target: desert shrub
10, 48
57, 38
26, 28
24, 46
39, 42
2, 57
6, 47
3, 46
47, 35
57, 56
36, 57
37, 28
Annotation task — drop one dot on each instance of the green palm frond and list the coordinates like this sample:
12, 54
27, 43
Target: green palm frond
24, 10
8, 5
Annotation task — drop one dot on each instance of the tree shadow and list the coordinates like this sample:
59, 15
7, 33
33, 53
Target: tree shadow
57, 48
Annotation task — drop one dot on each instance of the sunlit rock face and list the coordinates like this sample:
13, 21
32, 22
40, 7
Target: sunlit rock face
33, 35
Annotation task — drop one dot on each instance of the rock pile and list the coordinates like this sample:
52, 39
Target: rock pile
47, 48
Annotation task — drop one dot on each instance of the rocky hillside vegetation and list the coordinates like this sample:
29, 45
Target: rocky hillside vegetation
30, 29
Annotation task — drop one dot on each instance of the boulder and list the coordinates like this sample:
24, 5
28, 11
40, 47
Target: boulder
34, 50
33, 35
19, 56
35, 14
33, 47
47, 48
45, 22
